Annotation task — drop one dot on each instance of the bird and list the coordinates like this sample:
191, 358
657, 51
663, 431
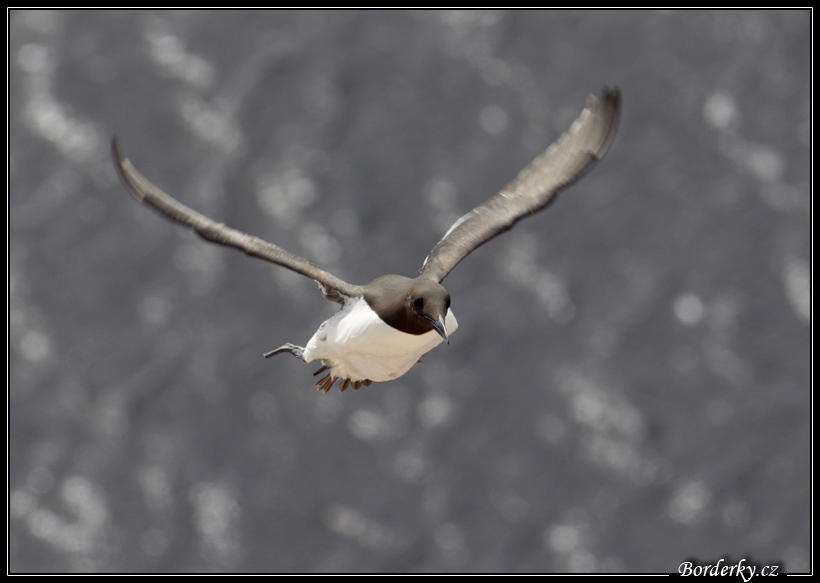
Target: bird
383, 328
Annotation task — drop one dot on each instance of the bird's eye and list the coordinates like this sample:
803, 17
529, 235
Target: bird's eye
419, 303
447, 303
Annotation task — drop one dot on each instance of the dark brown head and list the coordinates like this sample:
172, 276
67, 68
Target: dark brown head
414, 306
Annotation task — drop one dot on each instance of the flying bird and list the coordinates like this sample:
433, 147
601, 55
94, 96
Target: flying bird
383, 328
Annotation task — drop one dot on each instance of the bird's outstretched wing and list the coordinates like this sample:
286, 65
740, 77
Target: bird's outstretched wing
144, 191
566, 160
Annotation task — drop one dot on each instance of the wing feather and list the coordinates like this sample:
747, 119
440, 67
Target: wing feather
144, 191
535, 187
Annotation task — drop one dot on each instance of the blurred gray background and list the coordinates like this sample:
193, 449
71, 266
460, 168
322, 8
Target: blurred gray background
629, 387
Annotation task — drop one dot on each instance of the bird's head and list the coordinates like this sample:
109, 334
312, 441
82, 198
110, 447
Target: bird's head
414, 306
427, 303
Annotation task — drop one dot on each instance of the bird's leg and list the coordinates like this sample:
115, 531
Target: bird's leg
296, 351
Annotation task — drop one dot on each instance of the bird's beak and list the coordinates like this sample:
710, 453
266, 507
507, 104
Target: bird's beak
438, 326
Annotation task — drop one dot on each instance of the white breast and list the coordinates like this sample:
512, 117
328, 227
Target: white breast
358, 345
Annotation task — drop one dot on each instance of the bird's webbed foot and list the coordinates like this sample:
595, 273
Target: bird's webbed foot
296, 351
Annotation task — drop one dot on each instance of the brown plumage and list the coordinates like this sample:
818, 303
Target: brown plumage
565, 161
411, 308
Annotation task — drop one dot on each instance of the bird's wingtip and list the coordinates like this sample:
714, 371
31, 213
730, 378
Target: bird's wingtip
116, 153
610, 98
